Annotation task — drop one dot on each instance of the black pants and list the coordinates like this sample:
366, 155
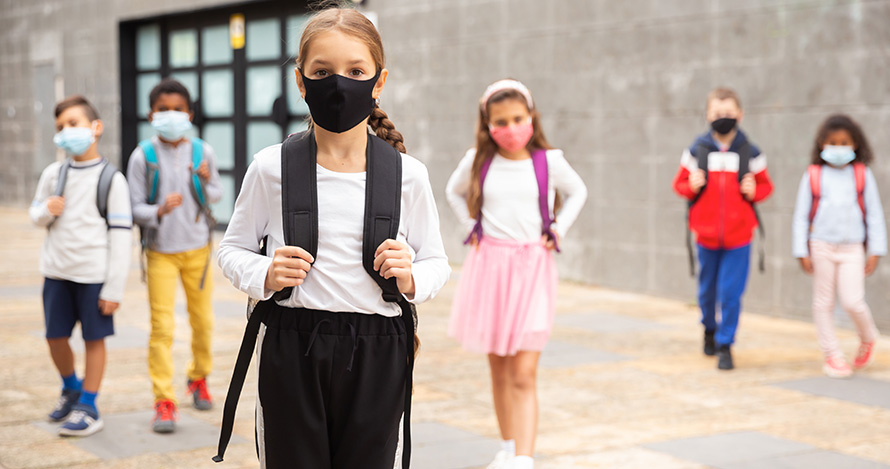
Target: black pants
332, 389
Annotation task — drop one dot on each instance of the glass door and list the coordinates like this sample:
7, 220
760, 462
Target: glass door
244, 99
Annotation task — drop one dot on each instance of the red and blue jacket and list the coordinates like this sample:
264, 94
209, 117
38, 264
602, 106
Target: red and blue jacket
722, 218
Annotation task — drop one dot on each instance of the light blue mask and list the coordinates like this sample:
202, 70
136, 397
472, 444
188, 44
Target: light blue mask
171, 125
75, 140
838, 155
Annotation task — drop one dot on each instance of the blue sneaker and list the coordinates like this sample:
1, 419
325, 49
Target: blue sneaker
83, 421
67, 400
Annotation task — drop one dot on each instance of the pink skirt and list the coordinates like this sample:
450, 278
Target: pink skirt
506, 298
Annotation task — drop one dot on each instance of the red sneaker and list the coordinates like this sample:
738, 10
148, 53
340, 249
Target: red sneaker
166, 416
198, 391
865, 356
837, 368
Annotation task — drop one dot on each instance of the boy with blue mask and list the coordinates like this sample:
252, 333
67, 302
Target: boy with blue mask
83, 202
174, 179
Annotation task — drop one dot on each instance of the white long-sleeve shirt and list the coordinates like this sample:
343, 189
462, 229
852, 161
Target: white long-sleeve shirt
510, 194
337, 280
80, 246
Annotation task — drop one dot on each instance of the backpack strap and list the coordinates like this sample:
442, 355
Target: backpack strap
477, 228
151, 171
299, 196
63, 178
104, 188
814, 172
745, 153
197, 159
859, 174
701, 153
539, 161
383, 194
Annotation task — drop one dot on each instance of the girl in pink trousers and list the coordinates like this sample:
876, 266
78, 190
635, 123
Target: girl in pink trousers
838, 236
506, 297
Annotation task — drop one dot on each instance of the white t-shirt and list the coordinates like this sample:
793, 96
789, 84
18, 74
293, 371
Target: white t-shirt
81, 246
337, 281
510, 196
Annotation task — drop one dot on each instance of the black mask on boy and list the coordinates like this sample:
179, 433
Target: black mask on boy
724, 125
338, 103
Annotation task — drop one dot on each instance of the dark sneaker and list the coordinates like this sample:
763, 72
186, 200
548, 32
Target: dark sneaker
198, 391
724, 358
63, 407
166, 416
710, 345
83, 421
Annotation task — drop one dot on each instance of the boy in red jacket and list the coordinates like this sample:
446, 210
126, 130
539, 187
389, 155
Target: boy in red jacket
722, 215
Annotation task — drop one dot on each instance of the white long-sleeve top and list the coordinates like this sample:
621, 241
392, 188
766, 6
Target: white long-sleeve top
337, 281
80, 246
510, 194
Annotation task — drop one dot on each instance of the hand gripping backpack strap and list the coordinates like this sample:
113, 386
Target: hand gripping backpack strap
299, 196
477, 228
383, 193
539, 161
701, 154
744, 152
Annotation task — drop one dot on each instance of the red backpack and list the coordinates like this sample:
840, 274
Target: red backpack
815, 173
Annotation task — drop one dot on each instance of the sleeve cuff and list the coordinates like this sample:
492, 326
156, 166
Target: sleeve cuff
256, 286
421, 288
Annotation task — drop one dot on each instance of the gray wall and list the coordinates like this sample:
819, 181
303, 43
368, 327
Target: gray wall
620, 84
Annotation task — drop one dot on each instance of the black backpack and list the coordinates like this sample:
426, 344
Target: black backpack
701, 155
102, 189
299, 211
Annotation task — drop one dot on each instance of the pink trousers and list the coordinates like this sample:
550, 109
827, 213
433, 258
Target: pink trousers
839, 271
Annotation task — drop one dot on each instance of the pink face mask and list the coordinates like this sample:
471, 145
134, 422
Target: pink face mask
512, 137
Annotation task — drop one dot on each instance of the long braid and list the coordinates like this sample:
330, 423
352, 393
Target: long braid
385, 129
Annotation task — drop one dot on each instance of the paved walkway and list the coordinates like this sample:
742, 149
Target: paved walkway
622, 384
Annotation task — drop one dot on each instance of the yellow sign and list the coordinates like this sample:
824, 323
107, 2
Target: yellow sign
236, 31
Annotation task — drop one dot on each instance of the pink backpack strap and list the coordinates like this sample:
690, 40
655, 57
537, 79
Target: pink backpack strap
477, 229
815, 173
859, 173
539, 160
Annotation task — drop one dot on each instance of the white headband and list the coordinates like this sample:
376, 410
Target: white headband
502, 85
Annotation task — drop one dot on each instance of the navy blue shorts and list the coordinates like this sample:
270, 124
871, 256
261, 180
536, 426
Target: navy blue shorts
65, 303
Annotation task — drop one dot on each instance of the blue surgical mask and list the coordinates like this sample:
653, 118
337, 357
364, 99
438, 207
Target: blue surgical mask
75, 140
838, 155
171, 125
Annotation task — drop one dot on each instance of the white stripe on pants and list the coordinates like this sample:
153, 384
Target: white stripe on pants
839, 270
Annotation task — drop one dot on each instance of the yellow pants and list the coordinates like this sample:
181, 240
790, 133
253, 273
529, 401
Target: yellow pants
162, 272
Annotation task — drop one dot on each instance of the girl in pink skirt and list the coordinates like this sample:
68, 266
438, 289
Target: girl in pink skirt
506, 297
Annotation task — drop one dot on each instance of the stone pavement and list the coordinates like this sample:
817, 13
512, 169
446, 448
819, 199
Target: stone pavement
622, 384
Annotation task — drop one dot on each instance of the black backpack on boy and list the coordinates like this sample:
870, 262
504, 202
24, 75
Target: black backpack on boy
299, 207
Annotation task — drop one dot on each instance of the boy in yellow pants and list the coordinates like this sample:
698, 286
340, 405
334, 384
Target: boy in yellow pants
174, 179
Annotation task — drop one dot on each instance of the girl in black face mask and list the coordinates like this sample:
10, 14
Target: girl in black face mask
336, 352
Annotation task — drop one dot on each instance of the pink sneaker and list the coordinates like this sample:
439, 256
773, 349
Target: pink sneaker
836, 367
865, 356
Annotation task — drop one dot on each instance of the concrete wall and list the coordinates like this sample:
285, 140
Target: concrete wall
621, 87
620, 84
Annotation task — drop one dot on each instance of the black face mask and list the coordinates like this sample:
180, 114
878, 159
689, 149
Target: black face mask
337, 103
724, 125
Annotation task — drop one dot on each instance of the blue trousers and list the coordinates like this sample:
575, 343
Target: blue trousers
722, 280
